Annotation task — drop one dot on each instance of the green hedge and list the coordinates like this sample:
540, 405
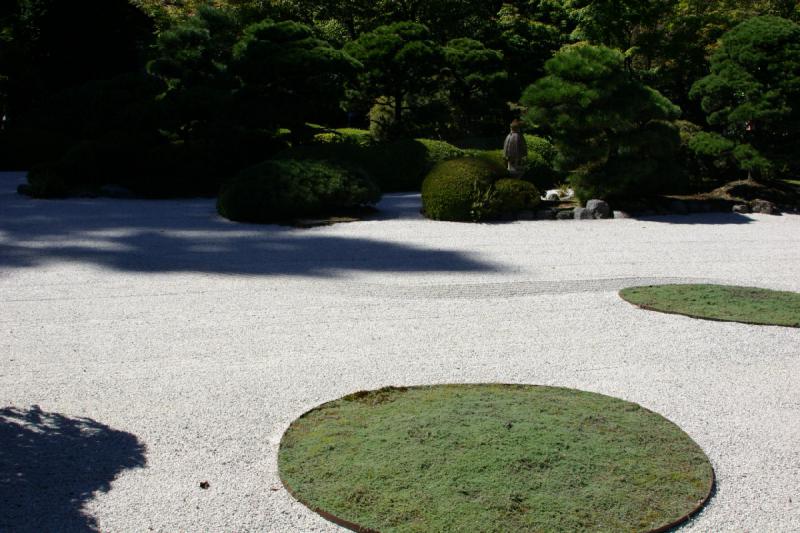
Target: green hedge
539, 168
178, 169
85, 166
396, 167
513, 196
452, 188
475, 189
281, 190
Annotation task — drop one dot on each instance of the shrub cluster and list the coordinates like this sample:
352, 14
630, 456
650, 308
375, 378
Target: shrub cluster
280, 190
474, 189
176, 169
395, 167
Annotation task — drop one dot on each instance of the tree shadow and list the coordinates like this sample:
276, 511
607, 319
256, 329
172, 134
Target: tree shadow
51, 465
694, 219
188, 236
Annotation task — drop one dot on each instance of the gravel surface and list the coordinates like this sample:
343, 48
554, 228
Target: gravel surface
147, 347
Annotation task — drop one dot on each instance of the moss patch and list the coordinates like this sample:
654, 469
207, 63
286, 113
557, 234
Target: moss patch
493, 458
718, 302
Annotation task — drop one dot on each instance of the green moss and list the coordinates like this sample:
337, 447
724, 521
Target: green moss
493, 458
716, 302
452, 188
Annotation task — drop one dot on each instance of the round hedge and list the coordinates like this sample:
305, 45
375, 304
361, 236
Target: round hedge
513, 196
396, 167
277, 191
493, 458
749, 305
452, 188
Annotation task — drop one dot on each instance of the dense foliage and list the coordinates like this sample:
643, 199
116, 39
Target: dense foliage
753, 96
176, 97
613, 133
278, 191
474, 189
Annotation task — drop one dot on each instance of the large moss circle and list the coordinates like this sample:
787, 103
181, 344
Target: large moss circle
749, 305
492, 458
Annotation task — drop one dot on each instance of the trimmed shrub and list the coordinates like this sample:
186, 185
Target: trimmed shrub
281, 190
453, 187
395, 167
539, 168
513, 196
86, 166
344, 136
46, 181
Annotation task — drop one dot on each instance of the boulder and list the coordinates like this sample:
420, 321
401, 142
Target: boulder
764, 207
742, 209
598, 209
526, 215
621, 214
583, 213
546, 214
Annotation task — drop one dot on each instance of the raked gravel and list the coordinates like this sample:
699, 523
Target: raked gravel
192, 342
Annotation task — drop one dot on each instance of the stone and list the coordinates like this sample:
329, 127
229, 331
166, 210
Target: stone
582, 213
552, 196
678, 207
742, 209
566, 214
546, 214
621, 214
526, 215
25, 190
598, 209
764, 207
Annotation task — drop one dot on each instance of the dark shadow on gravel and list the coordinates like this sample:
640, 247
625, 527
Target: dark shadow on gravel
51, 465
188, 236
712, 219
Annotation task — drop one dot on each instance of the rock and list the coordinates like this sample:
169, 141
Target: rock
25, 190
566, 214
764, 207
621, 214
552, 196
526, 215
742, 209
598, 209
546, 214
582, 213
678, 207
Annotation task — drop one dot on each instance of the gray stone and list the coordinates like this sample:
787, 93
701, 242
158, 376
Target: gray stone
742, 209
526, 215
552, 196
621, 214
582, 213
764, 207
598, 209
566, 214
546, 214
678, 207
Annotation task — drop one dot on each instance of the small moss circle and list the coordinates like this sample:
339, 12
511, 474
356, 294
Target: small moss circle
749, 305
492, 458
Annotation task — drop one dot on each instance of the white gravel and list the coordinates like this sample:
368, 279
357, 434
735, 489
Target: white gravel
191, 343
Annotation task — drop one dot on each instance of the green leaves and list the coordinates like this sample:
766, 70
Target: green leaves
753, 94
614, 135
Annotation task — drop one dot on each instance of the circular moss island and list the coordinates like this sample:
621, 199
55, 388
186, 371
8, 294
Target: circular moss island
749, 305
493, 458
